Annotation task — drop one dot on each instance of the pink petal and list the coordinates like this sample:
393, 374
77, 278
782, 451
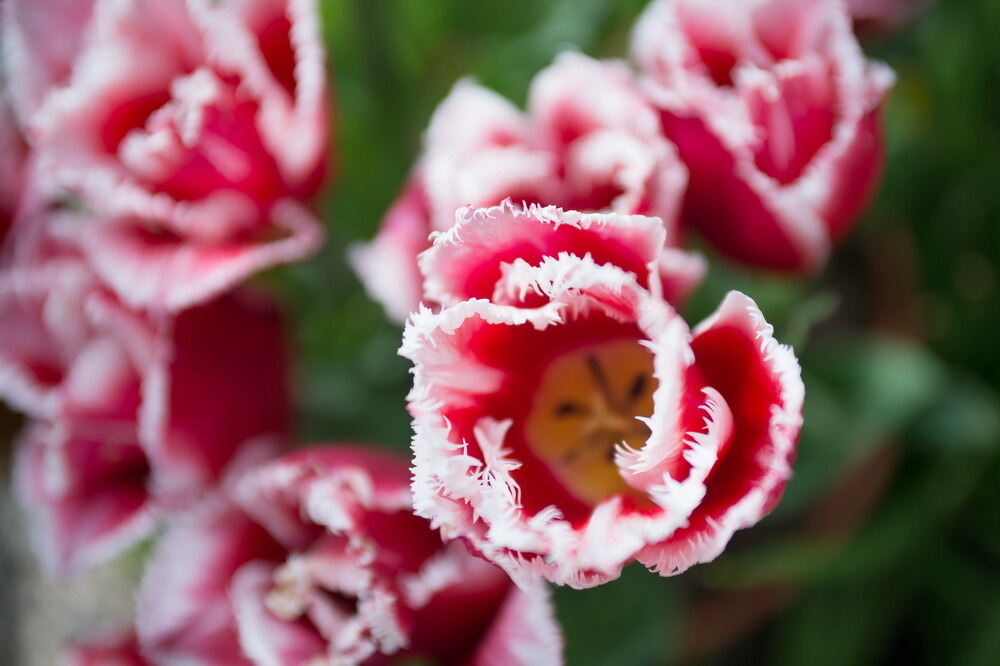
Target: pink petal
455, 598
327, 486
760, 237
387, 266
44, 327
467, 261
761, 382
713, 40
854, 176
680, 273
792, 29
151, 270
184, 612
86, 493
468, 611
13, 155
524, 633
276, 47
593, 113
63, 354
478, 151
227, 356
102, 385
264, 638
118, 649
795, 110
41, 39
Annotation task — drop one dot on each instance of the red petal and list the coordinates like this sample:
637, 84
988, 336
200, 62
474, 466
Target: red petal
120, 649
184, 612
87, 494
760, 380
227, 357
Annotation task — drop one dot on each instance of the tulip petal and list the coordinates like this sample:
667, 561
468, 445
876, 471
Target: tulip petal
466, 262
183, 613
387, 266
229, 352
524, 633
86, 494
41, 39
761, 382
116, 649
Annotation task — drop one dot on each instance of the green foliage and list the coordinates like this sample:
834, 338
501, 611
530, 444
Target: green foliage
627, 621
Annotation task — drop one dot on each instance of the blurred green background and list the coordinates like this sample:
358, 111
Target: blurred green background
886, 547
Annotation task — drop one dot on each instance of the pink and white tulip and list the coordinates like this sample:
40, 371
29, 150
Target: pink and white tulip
571, 422
469, 259
317, 558
194, 133
13, 155
776, 113
589, 141
134, 416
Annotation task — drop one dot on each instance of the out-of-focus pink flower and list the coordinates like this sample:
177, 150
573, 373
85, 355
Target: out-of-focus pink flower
883, 13
41, 40
193, 131
317, 558
12, 167
775, 112
120, 649
134, 415
589, 142
566, 439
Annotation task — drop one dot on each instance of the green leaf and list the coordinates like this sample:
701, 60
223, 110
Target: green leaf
884, 383
966, 417
627, 621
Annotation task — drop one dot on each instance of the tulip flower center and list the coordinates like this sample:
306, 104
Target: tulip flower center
587, 403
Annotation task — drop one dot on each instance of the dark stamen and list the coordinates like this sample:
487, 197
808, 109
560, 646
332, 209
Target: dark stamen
637, 389
569, 409
601, 379
571, 456
611, 452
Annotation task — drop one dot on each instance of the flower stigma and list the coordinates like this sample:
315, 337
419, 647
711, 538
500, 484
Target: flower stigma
587, 403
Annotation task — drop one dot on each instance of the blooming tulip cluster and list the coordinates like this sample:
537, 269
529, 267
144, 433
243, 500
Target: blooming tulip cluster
566, 419
146, 181
147, 170
753, 123
317, 558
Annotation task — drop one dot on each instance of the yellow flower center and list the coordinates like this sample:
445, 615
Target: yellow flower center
586, 404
